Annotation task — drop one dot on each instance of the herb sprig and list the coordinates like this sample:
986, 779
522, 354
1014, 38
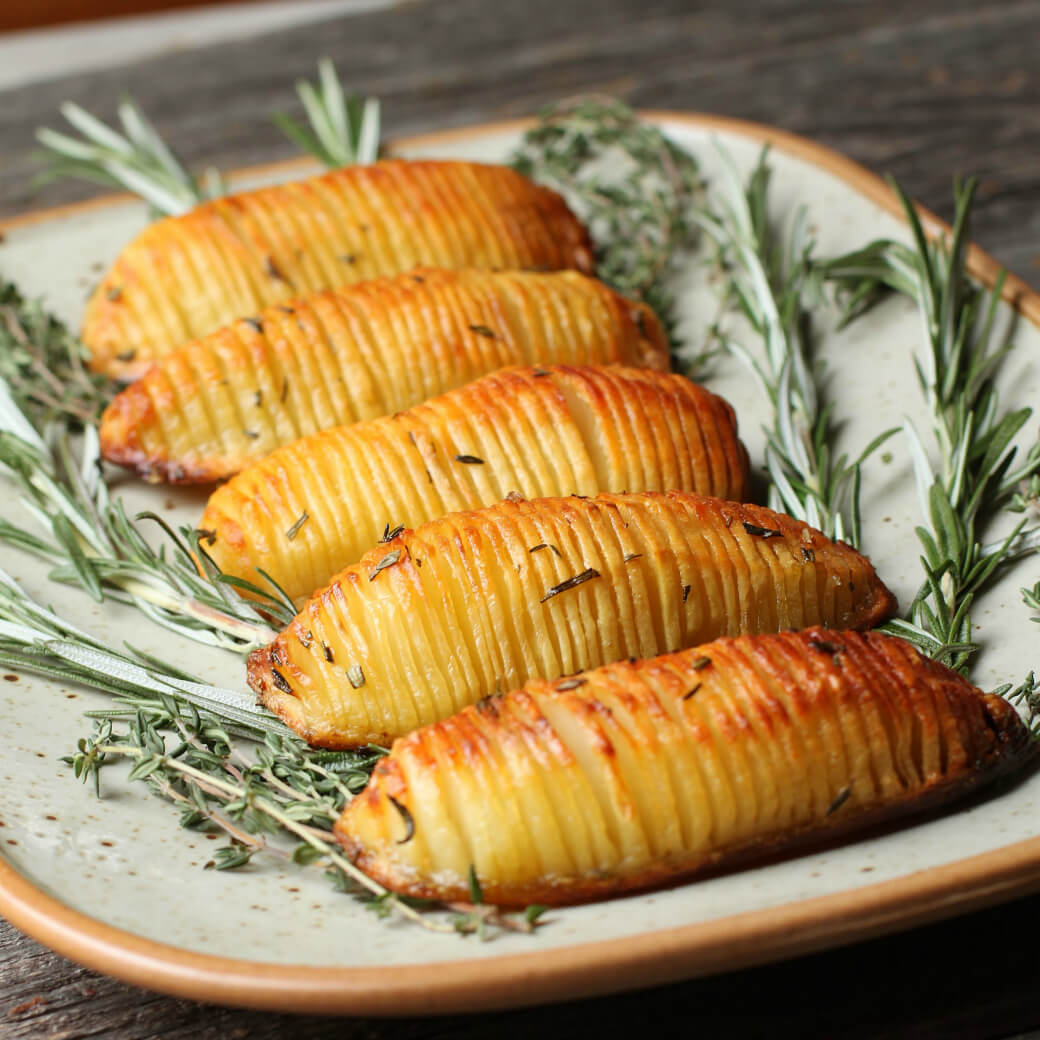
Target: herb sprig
44, 364
772, 281
967, 468
637, 191
90, 541
133, 158
342, 130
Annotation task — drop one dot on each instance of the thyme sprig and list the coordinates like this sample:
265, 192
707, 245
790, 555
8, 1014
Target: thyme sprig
226, 763
44, 364
967, 469
637, 191
343, 130
277, 797
773, 282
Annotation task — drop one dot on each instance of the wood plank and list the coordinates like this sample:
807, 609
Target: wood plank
912, 92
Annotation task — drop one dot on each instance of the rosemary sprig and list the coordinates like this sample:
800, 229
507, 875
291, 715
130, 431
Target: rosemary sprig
344, 129
637, 191
136, 159
45, 365
772, 281
90, 541
969, 471
34, 638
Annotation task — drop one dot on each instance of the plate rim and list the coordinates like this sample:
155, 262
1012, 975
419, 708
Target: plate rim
581, 969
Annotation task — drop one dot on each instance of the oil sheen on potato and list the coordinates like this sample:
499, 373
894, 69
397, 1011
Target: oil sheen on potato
314, 506
478, 603
641, 772
228, 258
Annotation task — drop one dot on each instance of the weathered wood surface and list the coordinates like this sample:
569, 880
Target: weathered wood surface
924, 91
959, 980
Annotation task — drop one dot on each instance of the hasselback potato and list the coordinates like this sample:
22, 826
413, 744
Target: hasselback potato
340, 356
185, 276
640, 772
478, 603
316, 505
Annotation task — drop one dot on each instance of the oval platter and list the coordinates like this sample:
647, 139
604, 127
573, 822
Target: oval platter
115, 884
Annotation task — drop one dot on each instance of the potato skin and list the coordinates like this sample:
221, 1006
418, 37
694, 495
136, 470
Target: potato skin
478, 603
185, 276
210, 407
640, 773
553, 430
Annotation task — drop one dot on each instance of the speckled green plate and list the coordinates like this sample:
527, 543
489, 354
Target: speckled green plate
117, 885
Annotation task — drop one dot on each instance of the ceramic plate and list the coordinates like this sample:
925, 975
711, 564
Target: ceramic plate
117, 885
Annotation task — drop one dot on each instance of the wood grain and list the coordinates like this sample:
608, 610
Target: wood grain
957, 979
923, 91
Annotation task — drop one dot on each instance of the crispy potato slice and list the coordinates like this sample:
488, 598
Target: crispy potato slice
478, 603
316, 505
207, 409
184, 277
642, 772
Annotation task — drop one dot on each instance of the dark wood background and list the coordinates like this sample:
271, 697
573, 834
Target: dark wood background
925, 91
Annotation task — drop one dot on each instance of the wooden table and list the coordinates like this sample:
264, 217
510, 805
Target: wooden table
923, 91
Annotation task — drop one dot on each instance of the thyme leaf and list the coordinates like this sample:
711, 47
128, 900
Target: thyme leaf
388, 560
44, 365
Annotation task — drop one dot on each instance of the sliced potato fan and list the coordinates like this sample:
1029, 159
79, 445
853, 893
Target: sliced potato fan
478, 603
316, 505
185, 276
213, 405
639, 772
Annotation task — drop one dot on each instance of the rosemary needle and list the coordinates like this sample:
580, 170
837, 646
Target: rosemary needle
967, 467
772, 282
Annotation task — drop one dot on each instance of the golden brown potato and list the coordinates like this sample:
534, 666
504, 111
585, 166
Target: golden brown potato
186, 276
478, 603
208, 408
642, 772
316, 505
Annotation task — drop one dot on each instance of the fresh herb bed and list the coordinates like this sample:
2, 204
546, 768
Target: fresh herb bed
230, 767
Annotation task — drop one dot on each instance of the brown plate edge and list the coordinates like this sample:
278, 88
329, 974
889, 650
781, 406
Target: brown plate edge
587, 969
516, 980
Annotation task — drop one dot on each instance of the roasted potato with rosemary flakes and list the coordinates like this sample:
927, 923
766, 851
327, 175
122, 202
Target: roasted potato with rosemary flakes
643, 772
316, 505
186, 276
478, 603
207, 409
